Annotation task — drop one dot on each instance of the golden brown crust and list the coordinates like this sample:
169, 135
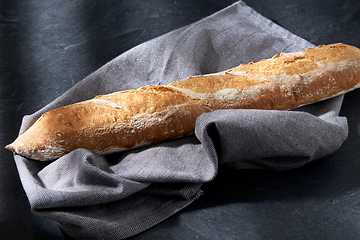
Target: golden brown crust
151, 114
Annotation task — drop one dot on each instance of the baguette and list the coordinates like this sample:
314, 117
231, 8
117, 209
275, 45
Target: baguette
129, 119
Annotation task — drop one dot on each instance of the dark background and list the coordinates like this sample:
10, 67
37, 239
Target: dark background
48, 46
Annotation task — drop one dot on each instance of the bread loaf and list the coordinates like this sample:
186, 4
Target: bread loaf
151, 114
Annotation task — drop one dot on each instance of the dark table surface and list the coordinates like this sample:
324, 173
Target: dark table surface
48, 46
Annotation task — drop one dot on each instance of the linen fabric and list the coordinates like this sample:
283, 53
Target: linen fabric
123, 194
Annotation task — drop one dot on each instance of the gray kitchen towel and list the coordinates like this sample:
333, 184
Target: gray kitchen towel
123, 194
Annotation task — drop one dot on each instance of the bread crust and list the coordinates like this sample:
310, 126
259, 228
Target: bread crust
128, 119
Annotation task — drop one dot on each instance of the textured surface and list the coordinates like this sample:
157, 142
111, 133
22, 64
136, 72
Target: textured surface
46, 48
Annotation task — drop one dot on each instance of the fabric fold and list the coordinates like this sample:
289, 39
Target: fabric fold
277, 140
